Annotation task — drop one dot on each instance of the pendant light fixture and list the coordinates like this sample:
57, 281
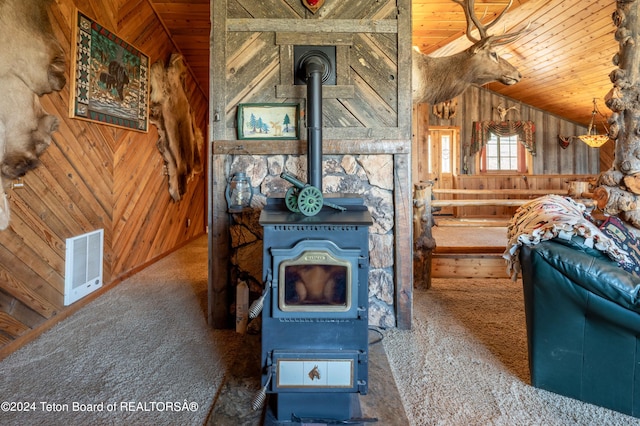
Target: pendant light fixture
592, 138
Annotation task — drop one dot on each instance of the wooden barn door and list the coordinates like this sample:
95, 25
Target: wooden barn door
442, 160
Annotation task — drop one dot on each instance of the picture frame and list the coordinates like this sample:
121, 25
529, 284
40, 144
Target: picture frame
269, 121
110, 78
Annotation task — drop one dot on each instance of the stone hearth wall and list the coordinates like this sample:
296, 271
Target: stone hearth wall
367, 130
369, 176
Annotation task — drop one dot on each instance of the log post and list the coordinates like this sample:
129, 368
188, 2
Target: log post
424, 243
619, 186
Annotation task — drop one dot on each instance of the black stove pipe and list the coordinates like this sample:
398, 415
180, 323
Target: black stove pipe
314, 68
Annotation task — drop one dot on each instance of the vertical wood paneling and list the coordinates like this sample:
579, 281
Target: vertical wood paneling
559, 165
477, 104
93, 176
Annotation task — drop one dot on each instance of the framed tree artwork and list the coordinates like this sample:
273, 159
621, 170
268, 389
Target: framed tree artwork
110, 78
268, 121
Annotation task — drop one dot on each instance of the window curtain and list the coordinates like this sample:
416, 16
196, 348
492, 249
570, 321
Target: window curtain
481, 130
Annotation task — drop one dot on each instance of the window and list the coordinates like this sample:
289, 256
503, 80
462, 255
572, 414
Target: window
503, 154
445, 163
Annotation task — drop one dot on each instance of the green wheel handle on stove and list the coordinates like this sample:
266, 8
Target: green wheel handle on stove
310, 201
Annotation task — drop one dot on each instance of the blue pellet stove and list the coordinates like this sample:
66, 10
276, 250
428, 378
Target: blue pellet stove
315, 307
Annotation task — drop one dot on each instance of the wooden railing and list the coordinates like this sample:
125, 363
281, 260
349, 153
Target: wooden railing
487, 201
423, 219
502, 186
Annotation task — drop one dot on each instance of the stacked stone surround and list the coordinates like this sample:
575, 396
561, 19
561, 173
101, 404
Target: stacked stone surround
368, 176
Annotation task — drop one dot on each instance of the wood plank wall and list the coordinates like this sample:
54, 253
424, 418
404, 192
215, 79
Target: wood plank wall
551, 167
478, 104
253, 45
93, 176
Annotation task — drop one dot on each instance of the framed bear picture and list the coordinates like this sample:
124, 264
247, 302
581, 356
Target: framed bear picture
110, 78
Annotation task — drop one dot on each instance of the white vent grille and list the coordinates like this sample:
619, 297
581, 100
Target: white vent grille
83, 267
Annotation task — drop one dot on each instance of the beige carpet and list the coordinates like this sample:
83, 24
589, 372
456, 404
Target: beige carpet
143, 354
465, 361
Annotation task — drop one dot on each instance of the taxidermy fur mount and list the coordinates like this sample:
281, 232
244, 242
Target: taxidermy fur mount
180, 140
32, 63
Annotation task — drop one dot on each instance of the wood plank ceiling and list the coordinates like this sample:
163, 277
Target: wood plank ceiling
565, 58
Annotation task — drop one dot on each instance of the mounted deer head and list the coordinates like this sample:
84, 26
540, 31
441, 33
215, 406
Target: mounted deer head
441, 79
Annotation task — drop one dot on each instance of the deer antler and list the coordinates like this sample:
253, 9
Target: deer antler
502, 39
473, 21
502, 111
437, 79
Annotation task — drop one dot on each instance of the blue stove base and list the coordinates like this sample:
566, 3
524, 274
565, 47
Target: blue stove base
293, 409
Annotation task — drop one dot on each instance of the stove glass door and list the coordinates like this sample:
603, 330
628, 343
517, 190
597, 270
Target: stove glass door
316, 281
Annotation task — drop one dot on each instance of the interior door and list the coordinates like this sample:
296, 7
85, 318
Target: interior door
442, 161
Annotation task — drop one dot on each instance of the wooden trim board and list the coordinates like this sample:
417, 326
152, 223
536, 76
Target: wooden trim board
468, 266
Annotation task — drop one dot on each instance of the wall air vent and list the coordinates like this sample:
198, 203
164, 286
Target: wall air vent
83, 265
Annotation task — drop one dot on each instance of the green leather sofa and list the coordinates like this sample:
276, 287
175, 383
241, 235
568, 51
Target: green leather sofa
583, 322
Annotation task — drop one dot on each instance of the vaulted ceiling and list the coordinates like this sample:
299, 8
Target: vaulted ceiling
565, 57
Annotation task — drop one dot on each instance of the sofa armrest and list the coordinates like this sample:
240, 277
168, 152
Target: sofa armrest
598, 275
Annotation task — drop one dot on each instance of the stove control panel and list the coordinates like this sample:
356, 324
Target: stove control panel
328, 371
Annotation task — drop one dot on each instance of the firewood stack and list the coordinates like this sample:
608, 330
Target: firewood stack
618, 189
